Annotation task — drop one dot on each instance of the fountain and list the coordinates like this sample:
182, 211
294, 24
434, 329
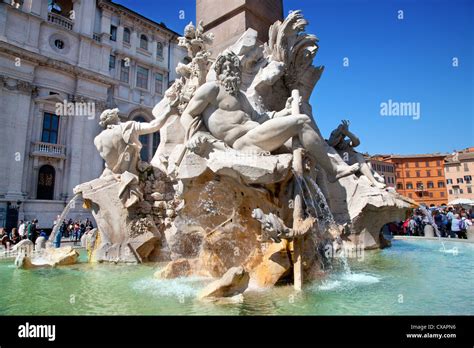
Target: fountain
71, 205
243, 186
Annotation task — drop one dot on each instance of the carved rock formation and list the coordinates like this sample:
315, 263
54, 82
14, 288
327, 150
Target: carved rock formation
234, 282
274, 266
48, 258
365, 209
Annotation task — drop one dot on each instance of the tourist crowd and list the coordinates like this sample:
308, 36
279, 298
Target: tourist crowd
71, 229
24, 230
450, 222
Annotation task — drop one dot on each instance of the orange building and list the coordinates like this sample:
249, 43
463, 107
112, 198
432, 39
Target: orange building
420, 177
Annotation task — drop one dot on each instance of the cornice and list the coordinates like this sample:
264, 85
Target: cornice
7, 48
136, 18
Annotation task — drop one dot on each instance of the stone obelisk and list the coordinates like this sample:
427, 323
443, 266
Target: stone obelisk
229, 19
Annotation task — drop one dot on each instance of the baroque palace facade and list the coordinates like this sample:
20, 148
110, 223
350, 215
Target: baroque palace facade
420, 177
81, 57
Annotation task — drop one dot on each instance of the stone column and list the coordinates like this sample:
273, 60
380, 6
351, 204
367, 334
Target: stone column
79, 19
74, 153
120, 36
134, 40
27, 5
36, 7
105, 26
19, 109
3, 20
86, 16
232, 18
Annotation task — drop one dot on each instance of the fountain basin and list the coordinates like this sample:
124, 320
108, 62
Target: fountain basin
411, 278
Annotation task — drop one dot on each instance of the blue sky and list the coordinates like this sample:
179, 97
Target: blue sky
407, 60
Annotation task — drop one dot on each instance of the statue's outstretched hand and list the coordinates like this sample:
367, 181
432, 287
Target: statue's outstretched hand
195, 143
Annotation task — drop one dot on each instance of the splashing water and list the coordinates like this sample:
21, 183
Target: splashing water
315, 199
67, 208
318, 202
303, 195
323, 204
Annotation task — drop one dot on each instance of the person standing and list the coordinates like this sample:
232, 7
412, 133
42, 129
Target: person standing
22, 229
464, 224
455, 226
450, 216
77, 231
15, 237
438, 218
34, 230
29, 235
89, 224
412, 226
4, 239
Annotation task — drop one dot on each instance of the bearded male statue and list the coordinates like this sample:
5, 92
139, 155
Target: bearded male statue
228, 115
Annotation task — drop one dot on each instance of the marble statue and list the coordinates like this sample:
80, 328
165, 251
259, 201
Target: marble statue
195, 40
119, 145
228, 115
193, 74
242, 181
345, 148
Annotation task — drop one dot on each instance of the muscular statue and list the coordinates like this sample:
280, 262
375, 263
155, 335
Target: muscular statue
119, 146
345, 148
229, 116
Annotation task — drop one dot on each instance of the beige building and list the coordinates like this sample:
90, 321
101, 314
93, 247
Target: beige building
385, 169
459, 171
83, 55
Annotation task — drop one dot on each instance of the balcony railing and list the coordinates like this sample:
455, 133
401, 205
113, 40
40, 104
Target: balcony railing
96, 37
60, 20
48, 150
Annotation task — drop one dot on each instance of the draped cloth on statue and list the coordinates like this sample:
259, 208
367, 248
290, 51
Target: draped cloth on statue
129, 157
126, 165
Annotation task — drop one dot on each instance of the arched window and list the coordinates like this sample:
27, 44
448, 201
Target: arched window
159, 49
54, 7
60, 7
145, 140
143, 42
126, 35
46, 177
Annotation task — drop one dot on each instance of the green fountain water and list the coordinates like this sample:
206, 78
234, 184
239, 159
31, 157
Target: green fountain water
412, 277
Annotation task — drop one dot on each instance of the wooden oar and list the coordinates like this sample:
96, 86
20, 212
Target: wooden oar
298, 242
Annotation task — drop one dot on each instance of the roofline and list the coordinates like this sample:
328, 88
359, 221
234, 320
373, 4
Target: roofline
161, 25
432, 155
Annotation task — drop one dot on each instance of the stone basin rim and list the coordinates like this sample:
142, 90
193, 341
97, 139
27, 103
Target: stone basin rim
420, 238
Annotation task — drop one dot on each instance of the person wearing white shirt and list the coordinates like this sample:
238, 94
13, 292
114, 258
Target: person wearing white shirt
22, 229
455, 226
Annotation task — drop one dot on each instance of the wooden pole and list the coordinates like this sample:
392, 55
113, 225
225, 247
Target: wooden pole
298, 242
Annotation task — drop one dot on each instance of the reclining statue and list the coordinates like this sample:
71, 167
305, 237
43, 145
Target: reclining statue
228, 115
345, 148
